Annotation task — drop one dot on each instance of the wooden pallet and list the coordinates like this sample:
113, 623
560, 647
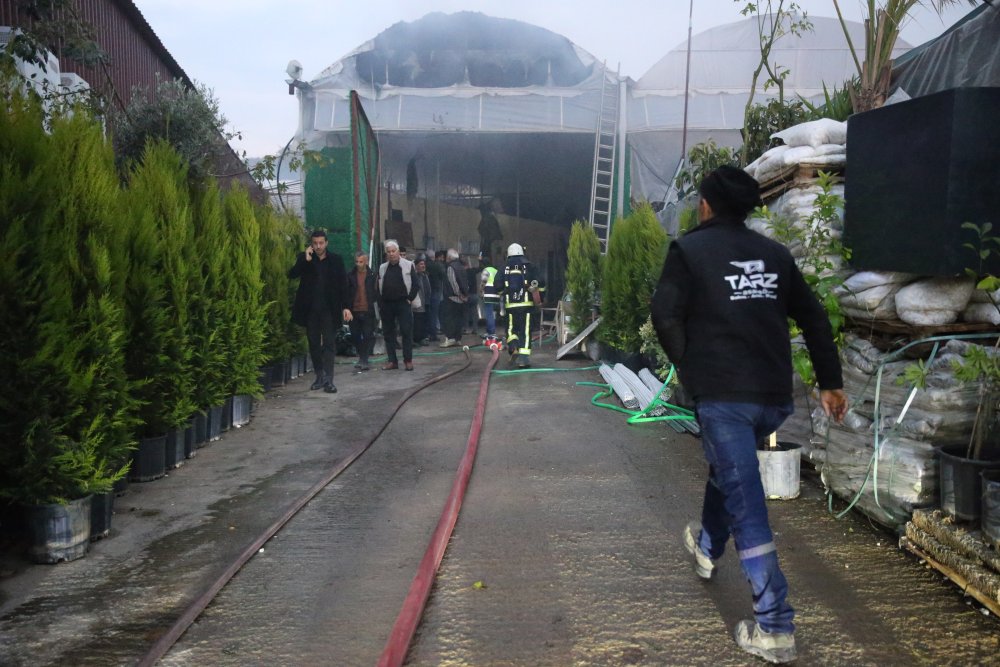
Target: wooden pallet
797, 175
900, 328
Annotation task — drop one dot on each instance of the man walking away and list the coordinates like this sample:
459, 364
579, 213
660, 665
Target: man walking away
397, 288
362, 296
720, 310
321, 305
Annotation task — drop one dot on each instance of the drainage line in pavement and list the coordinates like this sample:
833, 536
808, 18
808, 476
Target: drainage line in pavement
413, 606
168, 639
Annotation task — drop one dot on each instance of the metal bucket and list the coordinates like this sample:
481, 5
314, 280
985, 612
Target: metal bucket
779, 470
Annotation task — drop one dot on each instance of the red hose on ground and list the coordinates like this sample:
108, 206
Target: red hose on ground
413, 607
174, 632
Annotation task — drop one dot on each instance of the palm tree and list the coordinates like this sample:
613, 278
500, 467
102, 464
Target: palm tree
882, 25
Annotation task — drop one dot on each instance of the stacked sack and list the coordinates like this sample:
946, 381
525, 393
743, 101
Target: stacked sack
820, 142
903, 470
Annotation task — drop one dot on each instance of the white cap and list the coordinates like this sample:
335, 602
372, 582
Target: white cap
514, 249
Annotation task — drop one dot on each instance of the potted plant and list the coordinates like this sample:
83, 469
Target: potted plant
159, 354
66, 403
245, 306
635, 256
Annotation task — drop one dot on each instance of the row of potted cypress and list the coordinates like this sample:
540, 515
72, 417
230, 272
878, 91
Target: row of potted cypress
130, 304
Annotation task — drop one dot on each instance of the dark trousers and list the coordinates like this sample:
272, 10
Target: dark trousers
321, 332
419, 326
433, 316
363, 335
397, 313
519, 329
451, 318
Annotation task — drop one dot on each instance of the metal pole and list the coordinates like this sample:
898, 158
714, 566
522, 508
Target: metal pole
622, 139
687, 84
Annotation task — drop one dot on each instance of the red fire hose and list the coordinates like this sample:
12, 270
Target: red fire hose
413, 607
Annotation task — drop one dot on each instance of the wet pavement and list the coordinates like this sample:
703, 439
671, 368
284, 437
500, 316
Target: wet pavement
566, 552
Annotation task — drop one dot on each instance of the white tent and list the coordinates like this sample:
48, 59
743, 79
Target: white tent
486, 108
722, 63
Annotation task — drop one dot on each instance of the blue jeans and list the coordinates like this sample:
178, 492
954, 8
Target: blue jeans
491, 317
734, 501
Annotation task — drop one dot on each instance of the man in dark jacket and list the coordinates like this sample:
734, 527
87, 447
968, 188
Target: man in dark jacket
720, 310
321, 305
362, 297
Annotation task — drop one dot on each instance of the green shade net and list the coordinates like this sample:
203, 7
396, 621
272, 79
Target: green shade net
341, 193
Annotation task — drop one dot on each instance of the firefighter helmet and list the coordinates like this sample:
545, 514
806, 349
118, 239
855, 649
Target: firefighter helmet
514, 249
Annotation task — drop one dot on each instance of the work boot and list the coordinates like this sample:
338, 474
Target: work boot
776, 647
318, 382
523, 361
329, 387
703, 565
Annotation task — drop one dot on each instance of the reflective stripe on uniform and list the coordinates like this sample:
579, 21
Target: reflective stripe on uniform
754, 552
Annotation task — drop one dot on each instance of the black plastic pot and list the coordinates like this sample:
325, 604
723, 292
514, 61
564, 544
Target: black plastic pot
961, 484
190, 448
58, 533
148, 459
242, 405
173, 453
264, 378
990, 519
120, 488
215, 421
634, 361
102, 507
200, 429
278, 370
227, 414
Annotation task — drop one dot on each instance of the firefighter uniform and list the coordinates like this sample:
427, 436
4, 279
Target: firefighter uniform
521, 290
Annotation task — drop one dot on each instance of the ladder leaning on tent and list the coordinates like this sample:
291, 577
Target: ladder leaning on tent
605, 153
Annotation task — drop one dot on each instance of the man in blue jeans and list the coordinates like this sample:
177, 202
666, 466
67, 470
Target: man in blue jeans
721, 311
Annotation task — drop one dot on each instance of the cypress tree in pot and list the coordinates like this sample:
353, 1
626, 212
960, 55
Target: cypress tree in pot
66, 401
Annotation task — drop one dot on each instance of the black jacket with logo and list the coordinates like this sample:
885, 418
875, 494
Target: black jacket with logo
721, 312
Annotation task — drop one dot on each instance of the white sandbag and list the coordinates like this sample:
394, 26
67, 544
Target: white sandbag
798, 154
981, 312
867, 299
982, 296
828, 149
770, 169
927, 318
863, 280
935, 294
814, 133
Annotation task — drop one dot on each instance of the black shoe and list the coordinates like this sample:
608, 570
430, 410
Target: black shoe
330, 388
318, 384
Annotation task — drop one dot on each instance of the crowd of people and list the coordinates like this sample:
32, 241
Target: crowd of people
433, 298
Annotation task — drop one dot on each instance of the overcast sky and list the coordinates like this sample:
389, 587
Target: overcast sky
239, 48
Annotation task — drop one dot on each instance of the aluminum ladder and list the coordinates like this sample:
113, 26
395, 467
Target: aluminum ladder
605, 149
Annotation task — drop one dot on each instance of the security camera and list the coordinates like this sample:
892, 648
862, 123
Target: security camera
294, 70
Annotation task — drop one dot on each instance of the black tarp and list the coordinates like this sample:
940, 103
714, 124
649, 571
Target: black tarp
967, 55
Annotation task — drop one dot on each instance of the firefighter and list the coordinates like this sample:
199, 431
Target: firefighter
521, 290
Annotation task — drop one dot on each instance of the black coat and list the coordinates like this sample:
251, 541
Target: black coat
336, 287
